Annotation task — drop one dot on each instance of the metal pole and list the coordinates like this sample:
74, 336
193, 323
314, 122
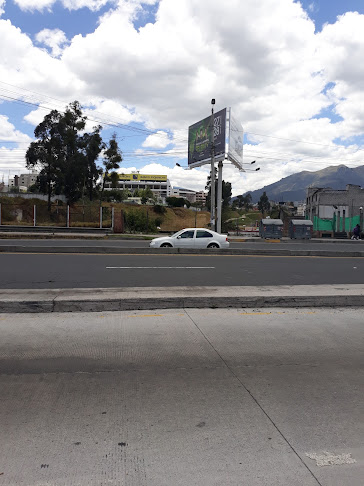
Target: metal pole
219, 196
212, 218
112, 219
34, 215
68, 216
0, 214
100, 217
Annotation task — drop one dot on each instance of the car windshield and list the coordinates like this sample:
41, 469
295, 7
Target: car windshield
176, 234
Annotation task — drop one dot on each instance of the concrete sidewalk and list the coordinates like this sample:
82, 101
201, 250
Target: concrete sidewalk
134, 298
182, 397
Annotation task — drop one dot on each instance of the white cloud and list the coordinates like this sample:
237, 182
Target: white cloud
8, 132
53, 38
34, 4
91, 4
13, 146
2, 5
159, 139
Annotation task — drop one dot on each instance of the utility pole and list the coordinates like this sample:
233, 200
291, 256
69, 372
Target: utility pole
212, 218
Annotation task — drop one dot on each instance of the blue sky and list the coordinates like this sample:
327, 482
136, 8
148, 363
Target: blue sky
152, 67
326, 11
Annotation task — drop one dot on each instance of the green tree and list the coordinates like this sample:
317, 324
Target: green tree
147, 194
263, 203
72, 160
45, 153
91, 145
244, 201
111, 161
175, 202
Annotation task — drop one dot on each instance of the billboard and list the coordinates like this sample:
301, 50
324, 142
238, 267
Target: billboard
143, 177
235, 142
199, 139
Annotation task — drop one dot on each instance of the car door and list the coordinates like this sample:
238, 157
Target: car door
203, 238
186, 239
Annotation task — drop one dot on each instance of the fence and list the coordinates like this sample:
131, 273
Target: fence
336, 224
59, 216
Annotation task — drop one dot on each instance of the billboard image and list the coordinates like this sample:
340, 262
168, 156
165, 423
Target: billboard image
199, 139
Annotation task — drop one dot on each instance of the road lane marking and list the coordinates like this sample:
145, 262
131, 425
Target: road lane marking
330, 459
158, 268
268, 313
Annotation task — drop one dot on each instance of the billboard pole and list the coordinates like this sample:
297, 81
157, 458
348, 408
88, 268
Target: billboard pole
212, 217
219, 196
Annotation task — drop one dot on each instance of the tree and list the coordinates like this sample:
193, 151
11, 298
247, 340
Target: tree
111, 161
244, 201
263, 203
146, 195
226, 194
176, 202
46, 153
72, 160
92, 146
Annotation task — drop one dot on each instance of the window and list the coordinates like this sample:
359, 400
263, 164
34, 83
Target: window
187, 234
203, 234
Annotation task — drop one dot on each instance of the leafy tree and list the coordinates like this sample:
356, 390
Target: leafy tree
146, 195
244, 201
46, 153
92, 146
159, 209
111, 161
115, 195
33, 188
226, 195
263, 203
72, 161
175, 202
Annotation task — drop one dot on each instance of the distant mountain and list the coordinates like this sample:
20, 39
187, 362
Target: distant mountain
293, 187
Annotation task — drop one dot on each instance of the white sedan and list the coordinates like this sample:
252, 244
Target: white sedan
192, 238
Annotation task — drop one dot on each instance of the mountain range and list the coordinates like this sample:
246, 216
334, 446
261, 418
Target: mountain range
293, 187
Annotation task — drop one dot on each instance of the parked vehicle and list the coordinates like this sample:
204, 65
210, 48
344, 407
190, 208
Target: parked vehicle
192, 238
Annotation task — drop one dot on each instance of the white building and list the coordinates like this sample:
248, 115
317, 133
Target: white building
23, 181
184, 193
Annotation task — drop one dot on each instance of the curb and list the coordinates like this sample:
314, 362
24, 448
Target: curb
177, 251
144, 298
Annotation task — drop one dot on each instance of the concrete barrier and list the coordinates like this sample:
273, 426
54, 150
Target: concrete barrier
143, 298
179, 251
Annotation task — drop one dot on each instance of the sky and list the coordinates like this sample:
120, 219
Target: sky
292, 73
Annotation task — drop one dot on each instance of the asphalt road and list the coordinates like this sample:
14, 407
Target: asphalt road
345, 245
31, 271
198, 397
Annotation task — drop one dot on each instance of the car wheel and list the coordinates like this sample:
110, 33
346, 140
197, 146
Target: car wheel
166, 245
213, 245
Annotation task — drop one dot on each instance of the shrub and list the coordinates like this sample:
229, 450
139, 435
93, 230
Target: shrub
157, 208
